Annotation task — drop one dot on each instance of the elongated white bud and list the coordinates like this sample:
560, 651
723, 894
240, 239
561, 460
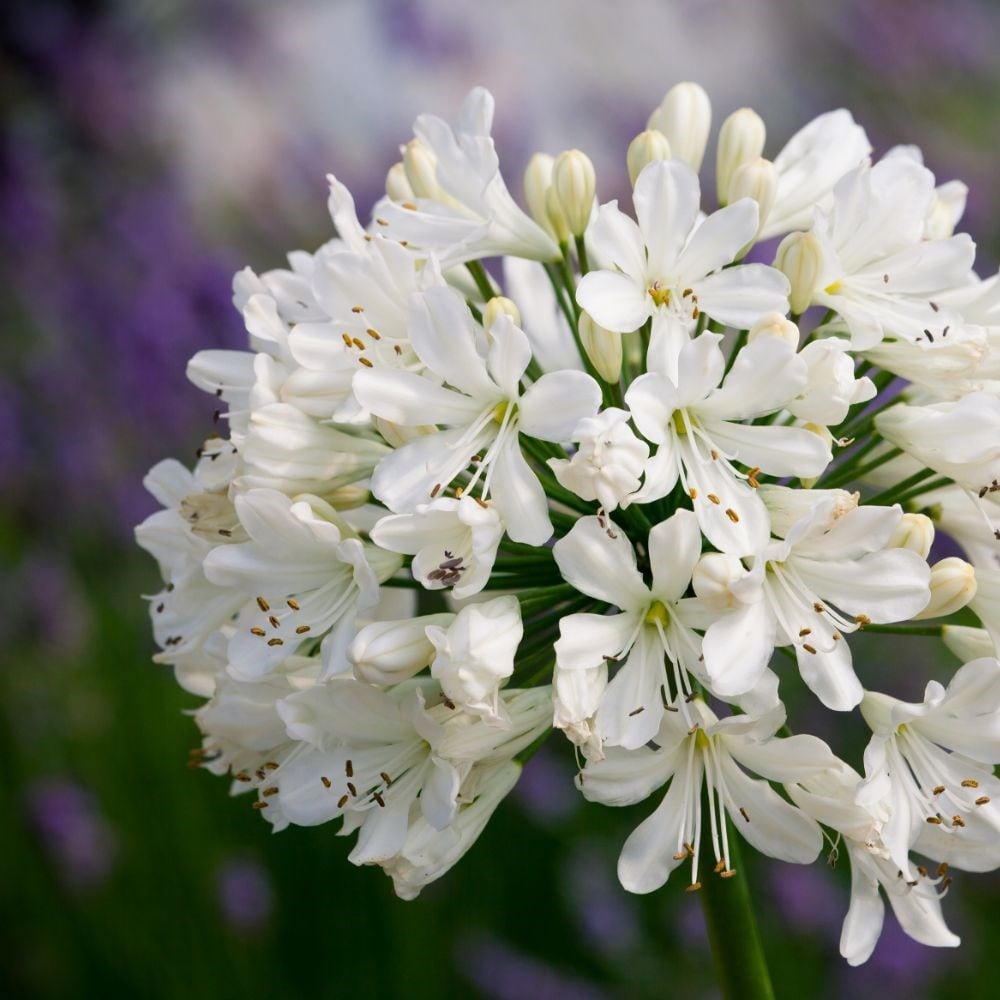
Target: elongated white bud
499, 306
774, 325
537, 181
397, 186
713, 579
558, 225
799, 258
390, 652
953, 585
756, 179
603, 347
420, 165
741, 140
684, 117
575, 185
914, 532
644, 149
968, 643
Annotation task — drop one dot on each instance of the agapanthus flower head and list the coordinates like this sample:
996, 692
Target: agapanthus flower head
639, 500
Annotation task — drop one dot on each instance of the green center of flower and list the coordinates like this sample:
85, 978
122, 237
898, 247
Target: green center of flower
657, 614
680, 424
501, 410
660, 296
701, 740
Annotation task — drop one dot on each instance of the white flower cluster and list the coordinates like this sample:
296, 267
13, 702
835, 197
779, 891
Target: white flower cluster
615, 476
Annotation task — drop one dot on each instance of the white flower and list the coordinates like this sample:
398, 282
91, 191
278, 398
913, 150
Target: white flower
879, 273
933, 764
831, 389
485, 412
653, 633
474, 655
695, 423
389, 652
809, 166
829, 575
454, 542
304, 574
471, 214
608, 463
665, 266
713, 752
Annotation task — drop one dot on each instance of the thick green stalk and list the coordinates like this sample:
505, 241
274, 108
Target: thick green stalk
480, 277
740, 965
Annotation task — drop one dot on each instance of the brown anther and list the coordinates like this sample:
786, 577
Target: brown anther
272, 765
448, 702
409, 206
680, 855
715, 455
326, 781
818, 608
258, 805
275, 621
357, 309
944, 885
367, 237
803, 632
732, 515
342, 801
260, 774
714, 498
257, 630
276, 642
938, 789
366, 362
942, 868
693, 493
982, 800
687, 292
352, 789
957, 821
397, 349
160, 607
385, 777
347, 339
970, 783
302, 629
728, 873
482, 503
720, 866
808, 648
934, 306
225, 532
373, 333
885, 278
436, 490
273, 790
695, 313
837, 637
358, 343
934, 820
862, 620
349, 768
377, 796
744, 814
693, 887
293, 604
381, 221
263, 605
242, 776
636, 711
459, 490
922, 871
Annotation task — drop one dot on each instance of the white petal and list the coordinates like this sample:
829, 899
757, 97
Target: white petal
765, 376
519, 497
601, 564
508, 356
865, 915
652, 400
779, 451
739, 296
627, 776
412, 400
556, 403
614, 300
718, 240
667, 197
632, 706
737, 648
674, 549
587, 640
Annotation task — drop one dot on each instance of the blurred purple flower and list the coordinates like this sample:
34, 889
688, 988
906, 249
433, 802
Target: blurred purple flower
501, 973
545, 790
806, 898
244, 895
604, 911
72, 832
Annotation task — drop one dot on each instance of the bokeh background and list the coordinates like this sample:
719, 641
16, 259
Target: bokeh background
149, 149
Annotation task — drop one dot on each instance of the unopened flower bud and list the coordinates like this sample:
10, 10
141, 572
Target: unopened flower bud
575, 185
757, 179
390, 652
684, 117
557, 224
420, 165
537, 181
499, 306
775, 325
397, 186
914, 532
713, 578
946, 211
644, 149
603, 347
953, 585
799, 259
741, 140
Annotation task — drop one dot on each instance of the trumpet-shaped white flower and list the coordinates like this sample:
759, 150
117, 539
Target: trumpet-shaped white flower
878, 271
712, 752
470, 212
453, 542
485, 412
933, 764
304, 574
668, 267
608, 463
694, 419
829, 575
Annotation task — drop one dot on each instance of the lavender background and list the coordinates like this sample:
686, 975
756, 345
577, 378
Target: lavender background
149, 149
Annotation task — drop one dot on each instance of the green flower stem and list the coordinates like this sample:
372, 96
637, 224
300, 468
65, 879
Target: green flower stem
581, 255
905, 488
934, 630
934, 484
481, 278
741, 968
